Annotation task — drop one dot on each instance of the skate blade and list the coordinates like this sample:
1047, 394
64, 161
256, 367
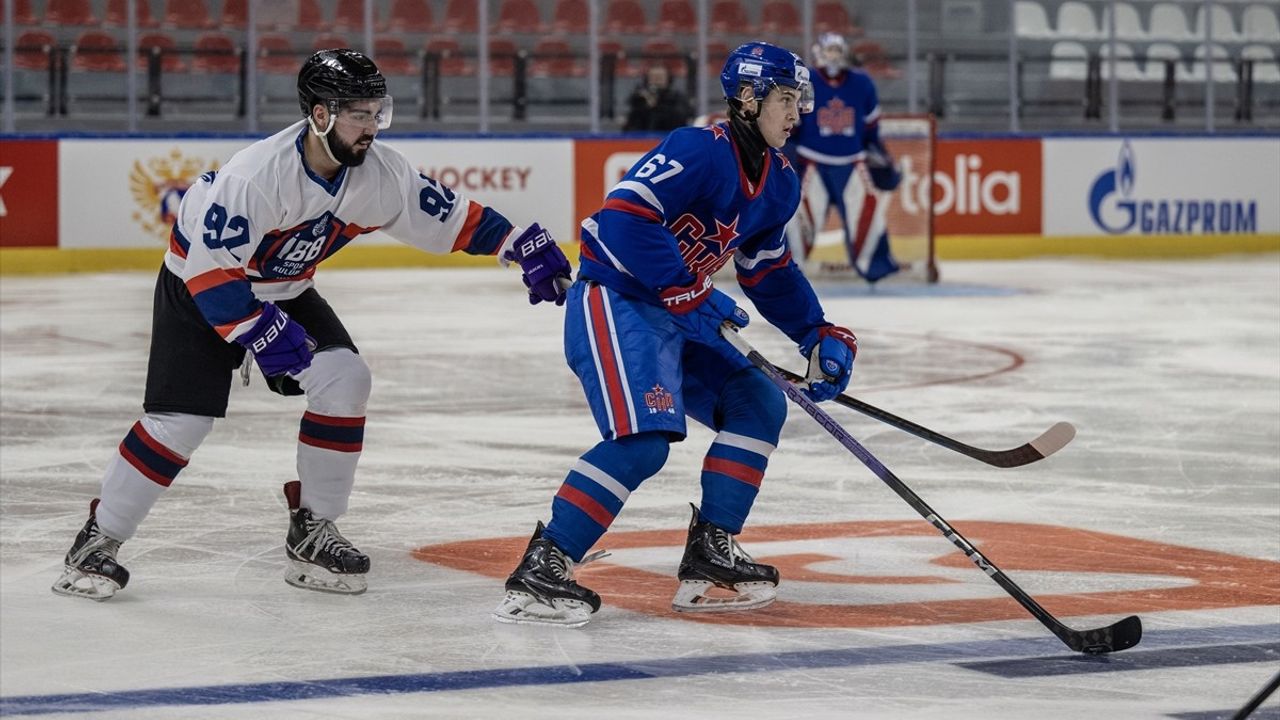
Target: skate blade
75, 583
524, 609
313, 577
692, 596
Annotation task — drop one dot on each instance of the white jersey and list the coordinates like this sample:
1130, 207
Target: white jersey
256, 229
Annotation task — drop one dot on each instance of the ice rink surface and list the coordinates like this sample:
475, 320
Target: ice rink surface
1167, 505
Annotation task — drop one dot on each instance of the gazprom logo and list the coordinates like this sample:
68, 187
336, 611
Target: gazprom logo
1116, 208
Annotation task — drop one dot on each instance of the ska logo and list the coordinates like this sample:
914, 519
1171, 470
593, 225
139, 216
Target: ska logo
835, 118
704, 252
293, 252
659, 400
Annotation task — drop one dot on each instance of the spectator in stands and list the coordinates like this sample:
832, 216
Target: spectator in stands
656, 105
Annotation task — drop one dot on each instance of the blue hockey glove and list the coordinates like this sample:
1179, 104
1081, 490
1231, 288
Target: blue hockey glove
884, 172
831, 350
279, 344
546, 270
699, 310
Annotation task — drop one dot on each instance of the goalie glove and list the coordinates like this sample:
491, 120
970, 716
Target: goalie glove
831, 350
883, 170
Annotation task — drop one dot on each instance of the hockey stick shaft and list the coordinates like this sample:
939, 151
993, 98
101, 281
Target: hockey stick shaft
1119, 636
1051, 441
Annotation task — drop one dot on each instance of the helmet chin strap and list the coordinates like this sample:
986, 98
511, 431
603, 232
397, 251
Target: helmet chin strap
324, 136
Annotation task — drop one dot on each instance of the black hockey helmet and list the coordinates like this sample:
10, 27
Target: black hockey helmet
341, 73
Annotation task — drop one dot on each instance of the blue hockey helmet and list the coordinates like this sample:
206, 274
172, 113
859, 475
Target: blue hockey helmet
764, 66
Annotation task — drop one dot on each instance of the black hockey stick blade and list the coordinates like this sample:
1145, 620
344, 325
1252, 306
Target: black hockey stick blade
1113, 638
1049, 442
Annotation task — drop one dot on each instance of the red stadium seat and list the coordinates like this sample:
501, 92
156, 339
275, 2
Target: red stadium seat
554, 58
665, 52
235, 14
69, 12
519, 16
215, 53
393, 59
622, 66
310, 17
502, 57
330, 41
677, 16
349, 14
728, 16
627, 17
717, 53
570, 16
32, 50
452, 62
779, 17
117, 14
22, 14
187, 14
97, 51
460, 16
410, 16
170, 60
832, 16
276, 55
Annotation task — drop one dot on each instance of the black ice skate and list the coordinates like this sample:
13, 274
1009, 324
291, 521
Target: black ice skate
713, 558
541, 590
320, 558
91, 569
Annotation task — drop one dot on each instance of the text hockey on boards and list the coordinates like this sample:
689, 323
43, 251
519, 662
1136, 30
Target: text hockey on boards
503, 177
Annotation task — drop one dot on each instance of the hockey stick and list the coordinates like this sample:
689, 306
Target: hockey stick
1049, 442
1256, 701
1119, 636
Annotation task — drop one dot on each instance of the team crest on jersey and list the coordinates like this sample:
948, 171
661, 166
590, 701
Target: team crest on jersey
293, 252
157, 187
704, 250
659, 400
835, 118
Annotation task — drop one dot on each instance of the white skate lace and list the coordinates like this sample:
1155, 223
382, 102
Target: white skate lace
728, 545
564, 568
323, 536
97, 542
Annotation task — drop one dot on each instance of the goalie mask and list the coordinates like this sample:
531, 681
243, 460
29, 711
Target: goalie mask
763, 67
831, 53
354, 94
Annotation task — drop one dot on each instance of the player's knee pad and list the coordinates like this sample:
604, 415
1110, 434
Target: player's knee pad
337, 383
179, 432
632, 458
751, 405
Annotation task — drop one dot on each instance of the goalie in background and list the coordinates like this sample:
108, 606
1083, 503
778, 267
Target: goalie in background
844, 164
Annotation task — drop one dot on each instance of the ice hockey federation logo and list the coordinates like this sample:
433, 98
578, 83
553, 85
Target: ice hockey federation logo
158, 186
659, 400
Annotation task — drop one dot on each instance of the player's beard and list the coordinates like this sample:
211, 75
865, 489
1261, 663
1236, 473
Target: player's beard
346, 153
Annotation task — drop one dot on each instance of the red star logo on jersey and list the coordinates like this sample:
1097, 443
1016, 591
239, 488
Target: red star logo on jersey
782, 158
724, 234
719, 131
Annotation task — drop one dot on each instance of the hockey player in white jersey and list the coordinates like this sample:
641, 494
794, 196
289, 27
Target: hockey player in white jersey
237, 280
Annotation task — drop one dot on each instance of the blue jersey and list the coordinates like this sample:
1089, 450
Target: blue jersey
845, 114
684, 210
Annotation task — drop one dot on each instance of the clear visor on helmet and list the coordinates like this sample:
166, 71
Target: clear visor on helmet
365, 113
804, 104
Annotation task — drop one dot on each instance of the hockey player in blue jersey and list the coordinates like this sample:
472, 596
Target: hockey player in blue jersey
844, 164
642, 333
238, 278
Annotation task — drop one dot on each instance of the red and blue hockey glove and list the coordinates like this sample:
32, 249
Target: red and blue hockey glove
831, 350
699, 310
546, 270
279, 344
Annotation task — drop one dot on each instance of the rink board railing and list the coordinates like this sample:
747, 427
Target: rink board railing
86, 203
